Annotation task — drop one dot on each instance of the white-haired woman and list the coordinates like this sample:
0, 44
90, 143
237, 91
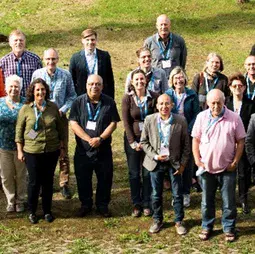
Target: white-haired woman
13, 171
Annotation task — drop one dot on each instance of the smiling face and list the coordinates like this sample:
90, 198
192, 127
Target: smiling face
139, 82
215, 101
237, 88
179, 81
39, 92
213, 64
163, 25
50, 59
13, 89
17, 43
94, 86
164, 106
250, 65
144, 59
89, 43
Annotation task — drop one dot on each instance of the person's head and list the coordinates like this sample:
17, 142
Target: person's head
138, 81
50, 59
249, 65
164, 105
13, 85
163, 25
214, 63
144, 58
215, 100
94, 86
178, 78
89, 39
237, 83
38, 90
17, 41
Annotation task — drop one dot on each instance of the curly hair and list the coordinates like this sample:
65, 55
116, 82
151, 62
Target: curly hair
30, 91
131, 87
236, 76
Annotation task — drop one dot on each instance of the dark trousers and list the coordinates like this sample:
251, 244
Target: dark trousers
103, 167
140, 190
41, 169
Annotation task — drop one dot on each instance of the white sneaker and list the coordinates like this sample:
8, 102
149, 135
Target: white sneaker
10, 208
20, 208
186, 200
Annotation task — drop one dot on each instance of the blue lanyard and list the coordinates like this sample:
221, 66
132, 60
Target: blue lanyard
164, 139
38, 115
250, 96
151, 83
90, 113
167, 51
19, 67
140, 105
213, 121
180, 103
94, 65
207, 85
52, 82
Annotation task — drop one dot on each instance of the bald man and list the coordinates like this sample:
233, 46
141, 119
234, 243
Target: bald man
249, 65
218, 142
165, 141
62, 93
93, 119
168, 50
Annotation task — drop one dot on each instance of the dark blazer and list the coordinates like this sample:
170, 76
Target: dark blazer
248, 108
179, 147
79, 72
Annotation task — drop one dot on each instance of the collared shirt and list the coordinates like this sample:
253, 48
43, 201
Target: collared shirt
8, 119
250, 87
50, 129
61, 82
218, 143
29, 62
92, 62
178, 52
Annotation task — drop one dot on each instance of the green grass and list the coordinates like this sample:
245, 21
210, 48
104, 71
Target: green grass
220, 25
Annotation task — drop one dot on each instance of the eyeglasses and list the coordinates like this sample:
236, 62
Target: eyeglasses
235, 86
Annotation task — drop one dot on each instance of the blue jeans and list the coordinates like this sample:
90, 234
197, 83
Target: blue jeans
227, 183
140, 190
157, 177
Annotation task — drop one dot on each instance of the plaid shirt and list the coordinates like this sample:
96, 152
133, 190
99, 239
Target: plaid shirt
28, 64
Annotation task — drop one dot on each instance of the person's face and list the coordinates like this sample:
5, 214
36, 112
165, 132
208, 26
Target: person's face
17, 43
250, 65
179, 81
94, 86
213, 64
163, 25
164, 106
13, 89
215, 104
144, 59
89, 42
39, 92
139, 82
237, 87
50, 59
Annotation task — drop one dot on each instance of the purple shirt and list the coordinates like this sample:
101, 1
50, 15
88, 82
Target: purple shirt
218, 143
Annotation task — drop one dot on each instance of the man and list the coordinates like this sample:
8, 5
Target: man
168, 49
165, 141
20, 61
91, 61
93, 119
249, 65
62, 93
218, 142
253, 50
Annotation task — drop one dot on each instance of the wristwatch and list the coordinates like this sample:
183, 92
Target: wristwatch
101, 139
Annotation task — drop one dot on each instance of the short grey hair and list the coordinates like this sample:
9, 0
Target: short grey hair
13, 78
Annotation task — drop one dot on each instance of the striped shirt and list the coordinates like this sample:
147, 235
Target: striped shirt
23, 67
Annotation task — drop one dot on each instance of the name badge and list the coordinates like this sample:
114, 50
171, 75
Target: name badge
32, 134
164, 150
166, 64
205, 139
91, 125
140, 126
202, 98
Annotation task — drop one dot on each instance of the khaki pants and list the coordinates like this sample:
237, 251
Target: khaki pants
13, 174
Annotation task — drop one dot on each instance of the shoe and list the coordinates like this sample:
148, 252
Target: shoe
230, 237
10, 208
245, 208
104, 212
197, 187
205, 234
180, 229
20, 208
147, 212
66, 192
33, 218
155, 226
83, 211
137, 211
49, 217
186, 200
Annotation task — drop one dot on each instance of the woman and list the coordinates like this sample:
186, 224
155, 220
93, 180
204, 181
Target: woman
210, 78
186, 104
13, 171
245, 107
39, 137
155, 77
136, 105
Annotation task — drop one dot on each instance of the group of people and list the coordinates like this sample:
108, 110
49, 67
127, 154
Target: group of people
164, 121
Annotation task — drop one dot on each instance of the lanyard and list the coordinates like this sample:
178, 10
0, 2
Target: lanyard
94, 65
167, 51
207, 85
52, 82
19, 67
213, 121
164, 139
237, 110
90, 113
181, 101
250, 96
140, 105
38, 115
151, 83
